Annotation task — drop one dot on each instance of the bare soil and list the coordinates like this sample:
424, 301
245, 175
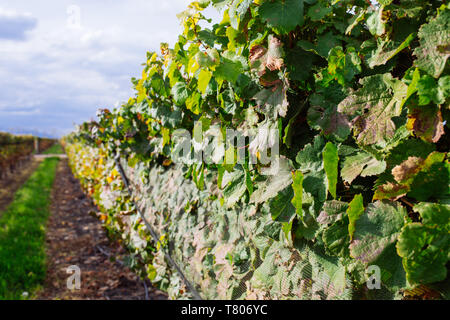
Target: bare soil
75, 237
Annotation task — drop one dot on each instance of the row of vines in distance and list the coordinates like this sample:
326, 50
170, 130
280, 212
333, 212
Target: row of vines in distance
16, 148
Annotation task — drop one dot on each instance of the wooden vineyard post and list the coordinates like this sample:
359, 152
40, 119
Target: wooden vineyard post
36, 145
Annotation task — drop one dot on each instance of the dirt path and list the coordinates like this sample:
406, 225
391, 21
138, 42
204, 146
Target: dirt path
13, 182
74, 237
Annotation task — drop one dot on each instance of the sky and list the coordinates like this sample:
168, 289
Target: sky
62, 60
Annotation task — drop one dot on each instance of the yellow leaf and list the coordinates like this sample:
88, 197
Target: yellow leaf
144, 76
153, 58
193, 66
197, 6
166, 135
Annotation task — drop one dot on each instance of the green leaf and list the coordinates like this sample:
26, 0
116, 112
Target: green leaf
193, 103
228, 70
205, 3
336, 238
180, 93
151, 272
432, 183
286, 227
335, 222
235, 188
317, 12
355, 20
342, 66
361, 164
375, 23
208, 59
299, 64
430, 90
393, 275
248, 180
434, 215
166, 136
434, 47
376, 229
330, 163
168, 117
332, 212
354, 211
234, 38
424, 250
273, 101
274, 184
311, 164
220, 4
412, 87
203, 80
297, 186
310, 158
331, 278
237, 10
174, 74
157, 84
228, 101
409, 148
388, 49
326, 42
375, 104
207, 37
323, 114
282, 15
281, 207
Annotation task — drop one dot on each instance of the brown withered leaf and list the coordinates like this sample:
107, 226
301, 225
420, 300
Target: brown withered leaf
271, 58
274, 55
406, 174
373, 106
426, 122
256, 53
408, 169
392, 191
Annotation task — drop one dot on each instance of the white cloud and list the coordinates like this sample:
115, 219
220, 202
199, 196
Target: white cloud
61, 74
14, 26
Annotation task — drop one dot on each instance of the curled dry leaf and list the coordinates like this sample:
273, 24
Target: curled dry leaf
271, 58
407, 169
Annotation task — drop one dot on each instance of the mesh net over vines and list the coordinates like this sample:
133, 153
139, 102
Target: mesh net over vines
231, 253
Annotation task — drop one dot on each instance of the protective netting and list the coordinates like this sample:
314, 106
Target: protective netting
230, 253
224, 253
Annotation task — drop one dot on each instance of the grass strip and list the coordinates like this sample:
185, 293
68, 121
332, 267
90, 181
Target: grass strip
54, 149
22, 234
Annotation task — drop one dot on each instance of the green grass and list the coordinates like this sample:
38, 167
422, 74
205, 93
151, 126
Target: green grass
22, 234
54, 149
